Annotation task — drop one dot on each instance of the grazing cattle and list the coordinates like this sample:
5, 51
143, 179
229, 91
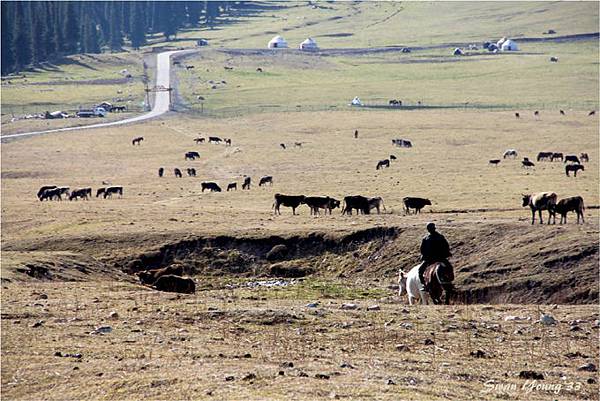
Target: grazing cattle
539, 202
282, 145
137, 141
214, 139
172, 283
512, 153
192, 155
177, 173
376, 203
356, 134
395, 102
572, 204
572, 158
232, 186
319, 202
574, 167
119, 108
392, 157
556, 155
259, 69
265, 180
150, 276
495, 162
554, 59
161, 171
63, 191
189, 67
536, 113
527, 163
108, 193
51, 194
227, 141
562, 112
584, 157
228, 68
42, 189
246, 184
358, 202
100, 191
292, 201
298, 144
191, 172
199, 140
83, 193
517, 115
212, 186
402, 143
382, 163
591, 113
415, 203
544, 156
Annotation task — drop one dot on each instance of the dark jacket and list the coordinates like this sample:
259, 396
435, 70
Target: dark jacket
434, 248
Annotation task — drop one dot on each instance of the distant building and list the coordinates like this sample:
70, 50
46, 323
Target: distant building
509, 45
309, 44
277, 43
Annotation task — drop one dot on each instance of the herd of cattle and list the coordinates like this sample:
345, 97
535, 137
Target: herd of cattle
548, 201
574, 163
52, 192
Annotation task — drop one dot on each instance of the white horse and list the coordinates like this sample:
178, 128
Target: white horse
412, 285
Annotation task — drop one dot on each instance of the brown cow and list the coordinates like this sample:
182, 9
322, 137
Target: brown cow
574, 167
150, 276
292, 201
572, 204
172, 283
539, 202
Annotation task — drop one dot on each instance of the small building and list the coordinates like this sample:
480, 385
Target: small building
509, 46
277, 43
309, 44
202, 42
458, 52
356, 102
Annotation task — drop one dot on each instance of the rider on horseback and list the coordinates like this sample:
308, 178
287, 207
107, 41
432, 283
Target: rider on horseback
434, 248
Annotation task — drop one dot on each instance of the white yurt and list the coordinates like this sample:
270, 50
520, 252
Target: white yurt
509, 45
356, 102
277, 43
309, 44
500, 42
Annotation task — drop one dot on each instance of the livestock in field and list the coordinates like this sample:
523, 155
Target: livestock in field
541, 201
510, 153
63, 191
232, 186
574, 168
212, 186
358, 202
584, 157
259, 69
137, 141
83, 193
321, 202
411, 284
214, 139
109, 191
544, 156
189, 67
591, 113
382, 163
494, 162
527, 163
392, 157
376, 203
199, 140
572, 158
265, 180
161, 171
536, 113
556, 156
172, 283
100, 191
517, 115
402, 143
177, 173
356, 134
282, 146
562, 112
415, 203
192, 155
438, 279
298, 144
150, 276
572, 204
119, 108
191, 172
227, 141
292, 201
554, 59
51, 194
42, 189
246, 184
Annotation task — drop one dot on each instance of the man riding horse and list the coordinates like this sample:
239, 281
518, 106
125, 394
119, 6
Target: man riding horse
434, 248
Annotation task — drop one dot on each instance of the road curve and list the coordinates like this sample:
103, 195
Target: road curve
161, 101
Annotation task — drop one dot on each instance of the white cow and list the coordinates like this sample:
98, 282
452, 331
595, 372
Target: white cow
412, 285
512, 153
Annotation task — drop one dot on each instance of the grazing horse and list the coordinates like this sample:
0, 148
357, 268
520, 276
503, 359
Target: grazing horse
161, 171
556, 155
544, 156
266, 180
43, 189
232, 186
574, 167
100, 191
562, 113
246, 184
282, 145
383, 163
517, 115
572, 158
539, 202
227, 142
108, 193
191, 155
214, 139
199, 140
191, 172
177, 173
495, 162
591, 113
512, 153
137, 141
392, 157
527, 163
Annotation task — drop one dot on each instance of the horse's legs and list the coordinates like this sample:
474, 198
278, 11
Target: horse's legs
540, 214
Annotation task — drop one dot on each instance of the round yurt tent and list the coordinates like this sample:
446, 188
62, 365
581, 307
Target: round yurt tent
277, 43
309, 44
509, 45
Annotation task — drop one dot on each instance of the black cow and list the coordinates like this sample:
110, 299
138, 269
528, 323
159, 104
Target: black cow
382, 163
192, 155
292, 201
51, 194
177, 173
83, 193
591, 113
392, 157
572, 158
527, 163
319, 202
42, 189
572, 204
191, 172
282, 145
172, 283
517, 115
232, 186
562, 113
100, 191
403, 143
536, 113
214, 139
544, 156
495, 162
358, 202
199, 140
266, 180
212, 186
161, 171
574, 167
556, 155
246, 184
415, 203
108, 193
137, 141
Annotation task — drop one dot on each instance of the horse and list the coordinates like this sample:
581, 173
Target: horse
438, 276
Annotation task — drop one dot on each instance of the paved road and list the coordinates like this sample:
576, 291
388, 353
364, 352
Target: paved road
161, 101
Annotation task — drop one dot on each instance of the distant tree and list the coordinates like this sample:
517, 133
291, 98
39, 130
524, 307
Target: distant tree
90, 40
6, 38
137, 24
40, 32
211, 12
22, 42
71, 28
194, 9
114, 21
